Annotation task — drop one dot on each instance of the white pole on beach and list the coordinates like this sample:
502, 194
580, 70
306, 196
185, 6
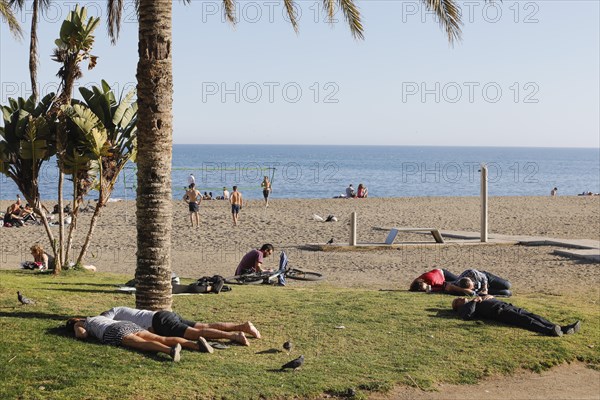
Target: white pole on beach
353, 229
484, 203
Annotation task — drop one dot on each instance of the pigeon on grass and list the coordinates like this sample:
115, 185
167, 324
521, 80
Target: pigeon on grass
294, 364
287, 346
23, 299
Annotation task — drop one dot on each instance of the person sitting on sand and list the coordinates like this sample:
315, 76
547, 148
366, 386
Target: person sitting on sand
554, 192
13, 215
350, 193
128, 334
168, 323
27, 214
363, 192
225, 193
474, 282
433, 281
252, 261
487, 307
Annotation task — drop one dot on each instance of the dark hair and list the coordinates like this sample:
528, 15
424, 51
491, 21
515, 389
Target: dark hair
70, 325
415, 286
267, 246
192, 185
235, 188
464, 283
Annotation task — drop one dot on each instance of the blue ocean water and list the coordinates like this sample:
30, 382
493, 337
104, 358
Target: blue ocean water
306, 171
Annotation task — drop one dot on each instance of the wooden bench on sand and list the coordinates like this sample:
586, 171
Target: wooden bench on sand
394, 232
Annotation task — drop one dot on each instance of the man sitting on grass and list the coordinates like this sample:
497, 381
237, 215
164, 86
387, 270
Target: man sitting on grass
128, 334
487, 307
168, 323
252, 261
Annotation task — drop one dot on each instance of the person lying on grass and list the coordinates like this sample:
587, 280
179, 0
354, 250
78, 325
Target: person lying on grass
487, 307
474, 282
168, 323
432, 281
128, 334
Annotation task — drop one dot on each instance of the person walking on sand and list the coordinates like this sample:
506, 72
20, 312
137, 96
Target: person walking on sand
193, 198
266, 188
237, 203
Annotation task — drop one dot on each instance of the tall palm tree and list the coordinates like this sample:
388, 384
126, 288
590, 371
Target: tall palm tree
7, 15
155, 92
38, 6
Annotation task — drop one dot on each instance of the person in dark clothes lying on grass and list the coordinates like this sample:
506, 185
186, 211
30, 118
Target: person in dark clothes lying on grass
128, 334
474, 282
487, 307
168, 323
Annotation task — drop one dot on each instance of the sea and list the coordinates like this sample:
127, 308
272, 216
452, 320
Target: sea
315, 172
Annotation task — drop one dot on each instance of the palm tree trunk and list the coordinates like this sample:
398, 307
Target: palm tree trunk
33, 62
154, 210
88, 237
61, 231
72, 227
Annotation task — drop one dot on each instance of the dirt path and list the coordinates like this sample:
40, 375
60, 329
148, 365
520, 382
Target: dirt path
566, 382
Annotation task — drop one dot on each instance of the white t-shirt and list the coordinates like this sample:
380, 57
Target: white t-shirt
142, 318
191, 179
96, 326
226, 194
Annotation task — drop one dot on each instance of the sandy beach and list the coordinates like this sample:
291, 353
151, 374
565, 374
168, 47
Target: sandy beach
217, 246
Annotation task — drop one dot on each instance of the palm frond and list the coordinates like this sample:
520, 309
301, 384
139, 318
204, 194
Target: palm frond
291, 12
448, 14
229, 10
351, 15
9, 17
114, 12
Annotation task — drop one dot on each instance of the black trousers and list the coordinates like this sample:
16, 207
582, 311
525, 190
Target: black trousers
497, 286
516, 316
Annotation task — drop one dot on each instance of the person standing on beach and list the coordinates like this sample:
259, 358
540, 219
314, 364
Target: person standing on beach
266, 188
237, 203
193, 198
225, 193
191, 179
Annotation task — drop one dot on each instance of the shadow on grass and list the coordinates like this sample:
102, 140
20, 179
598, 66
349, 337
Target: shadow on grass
75, 290
442, 313
83, 284
269, 351
34, 314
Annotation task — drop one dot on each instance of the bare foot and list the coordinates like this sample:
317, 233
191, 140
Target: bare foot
240, 338
250, 329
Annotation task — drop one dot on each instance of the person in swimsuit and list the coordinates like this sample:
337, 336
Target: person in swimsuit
237, 203
193, 198
266, 187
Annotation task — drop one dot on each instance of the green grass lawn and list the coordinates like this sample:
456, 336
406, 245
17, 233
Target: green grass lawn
389, 338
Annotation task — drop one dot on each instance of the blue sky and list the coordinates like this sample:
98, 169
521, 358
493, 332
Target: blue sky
525, 74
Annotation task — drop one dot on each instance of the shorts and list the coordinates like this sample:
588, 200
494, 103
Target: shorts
115, 333
167, 323
266, 193
193, 206
235, 208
